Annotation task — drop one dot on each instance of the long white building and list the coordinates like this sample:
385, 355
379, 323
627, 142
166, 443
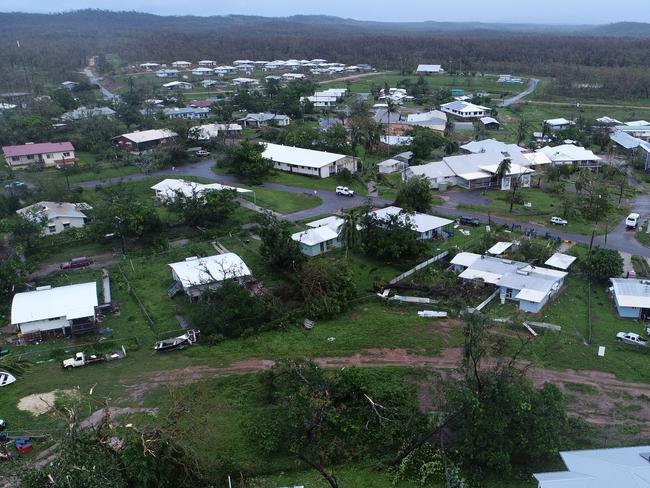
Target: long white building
307, 161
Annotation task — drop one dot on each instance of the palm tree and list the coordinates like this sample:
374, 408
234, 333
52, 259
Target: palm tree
391, 108
349, 230
522, 130
503, 169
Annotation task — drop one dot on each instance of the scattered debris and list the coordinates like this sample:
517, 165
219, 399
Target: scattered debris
40, 403
431, 313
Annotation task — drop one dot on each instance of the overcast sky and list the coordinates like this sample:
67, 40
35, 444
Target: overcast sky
528, 11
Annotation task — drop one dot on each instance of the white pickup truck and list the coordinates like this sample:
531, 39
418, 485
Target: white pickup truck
81, 359
344, 191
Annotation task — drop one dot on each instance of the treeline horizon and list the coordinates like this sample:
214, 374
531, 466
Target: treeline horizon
50, 47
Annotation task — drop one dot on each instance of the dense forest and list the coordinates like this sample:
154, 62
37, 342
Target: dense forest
52, 46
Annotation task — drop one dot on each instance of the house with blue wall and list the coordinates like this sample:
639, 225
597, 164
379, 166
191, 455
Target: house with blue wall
631, 297
532, 287
321, 236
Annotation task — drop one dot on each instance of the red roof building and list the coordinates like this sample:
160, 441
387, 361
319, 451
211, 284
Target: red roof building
46, 154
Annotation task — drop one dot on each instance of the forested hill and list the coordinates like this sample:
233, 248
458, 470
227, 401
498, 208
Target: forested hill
59, 43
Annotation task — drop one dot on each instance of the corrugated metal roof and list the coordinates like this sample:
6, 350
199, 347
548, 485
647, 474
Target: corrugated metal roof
71, 302
40, 148
212, 269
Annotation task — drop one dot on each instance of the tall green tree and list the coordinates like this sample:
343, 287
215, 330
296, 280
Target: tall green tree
247, 161
349, 230
326, 288
415, 194
277, 247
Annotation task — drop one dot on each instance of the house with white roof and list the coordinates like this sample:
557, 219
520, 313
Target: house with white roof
167, 73
631, 297
242, 81
178, 85
181, 64
557, 124
624, 467
149, 66
629, 144
308, 162
87, 113
64, 309
391, 166
429, 69
203, 71
186, 113
530, 286
264, 118
465, 110
560, 261
571, 154
213, 131
56, 217
168, 189
321, 236
225, 70
426, 226
144, 140
434, 119
208, 63
475, 171
196, 275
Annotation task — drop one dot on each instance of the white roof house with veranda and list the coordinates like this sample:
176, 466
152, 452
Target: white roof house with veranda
54, 308
198, 274
308, 161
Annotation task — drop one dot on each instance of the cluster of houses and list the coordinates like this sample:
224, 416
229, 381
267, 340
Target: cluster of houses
208, 67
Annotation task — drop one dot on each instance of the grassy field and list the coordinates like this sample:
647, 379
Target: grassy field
544, 206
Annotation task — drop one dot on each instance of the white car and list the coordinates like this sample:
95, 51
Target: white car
631, 338
202, 153
558, 221
344, 191
632, 221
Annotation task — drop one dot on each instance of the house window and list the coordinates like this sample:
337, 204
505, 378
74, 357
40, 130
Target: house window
15, 158
66, 225
51, 228
48, 156
30, 156
322, 247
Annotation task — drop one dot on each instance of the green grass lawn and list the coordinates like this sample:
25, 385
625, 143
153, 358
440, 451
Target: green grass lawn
544, 206
281, 201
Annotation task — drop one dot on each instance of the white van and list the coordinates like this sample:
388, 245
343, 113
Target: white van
632, 221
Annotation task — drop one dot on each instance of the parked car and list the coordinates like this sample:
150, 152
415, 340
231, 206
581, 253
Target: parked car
632, 221
75, 263
469, 221
344, 191
202, 153
558, 221
631, 338
15, 185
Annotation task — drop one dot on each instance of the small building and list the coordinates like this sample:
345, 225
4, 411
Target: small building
149, 66
530, 286
178, 85
202, 71
53, 311
391, 166
629, 145
167, 73
182, 64
46, 155
70, 85
196, 275
242, 81
429, 69
465, 110
207, 63
145, 140
56, 217
631, 297
557, 124
308, 162
186, 113
434, 119
426, 226
318, 240
263, 119
490, 123
600, 468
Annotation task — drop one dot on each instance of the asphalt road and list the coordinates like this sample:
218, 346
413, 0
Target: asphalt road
532, 86
618, 238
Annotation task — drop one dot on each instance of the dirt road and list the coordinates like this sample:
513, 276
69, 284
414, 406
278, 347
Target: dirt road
597, 397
